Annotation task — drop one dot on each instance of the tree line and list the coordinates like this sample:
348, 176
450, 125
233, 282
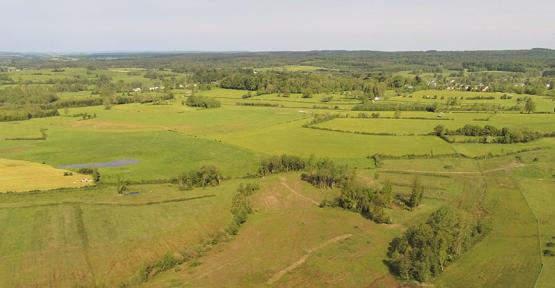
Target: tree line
202, 102
491, 134
208, 175
241, 207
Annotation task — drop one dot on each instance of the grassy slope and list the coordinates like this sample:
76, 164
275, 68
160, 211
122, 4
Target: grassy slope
286, 226
94, 237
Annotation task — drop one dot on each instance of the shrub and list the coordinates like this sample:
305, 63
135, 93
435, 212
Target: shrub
201, 101
96, 175
87, 171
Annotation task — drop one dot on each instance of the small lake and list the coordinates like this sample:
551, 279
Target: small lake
115, 163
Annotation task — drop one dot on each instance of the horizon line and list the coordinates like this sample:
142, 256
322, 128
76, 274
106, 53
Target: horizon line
172, 51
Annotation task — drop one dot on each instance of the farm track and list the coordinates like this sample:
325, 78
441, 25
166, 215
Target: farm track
284, 183
502, 168
112, 204
84, 237
303, 259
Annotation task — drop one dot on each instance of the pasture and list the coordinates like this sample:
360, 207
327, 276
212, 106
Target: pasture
61, 232
96, 237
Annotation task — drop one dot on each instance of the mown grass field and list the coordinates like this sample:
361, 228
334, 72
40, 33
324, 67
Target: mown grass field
21, 176
538, 122
95, 237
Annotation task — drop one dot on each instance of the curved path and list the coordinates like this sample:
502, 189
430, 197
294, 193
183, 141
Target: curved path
284, 183
299, 262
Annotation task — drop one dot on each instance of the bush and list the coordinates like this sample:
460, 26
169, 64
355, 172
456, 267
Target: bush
86, 171
95, 175
201, 101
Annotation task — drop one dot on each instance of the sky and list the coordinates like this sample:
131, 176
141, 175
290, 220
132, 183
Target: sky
274, 25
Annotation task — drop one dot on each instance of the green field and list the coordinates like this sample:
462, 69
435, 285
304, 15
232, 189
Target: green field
61, 231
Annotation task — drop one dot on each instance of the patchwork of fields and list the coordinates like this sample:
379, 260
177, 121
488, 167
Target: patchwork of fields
69, 235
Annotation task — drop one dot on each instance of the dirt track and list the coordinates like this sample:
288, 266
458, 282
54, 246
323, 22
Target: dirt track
299, 262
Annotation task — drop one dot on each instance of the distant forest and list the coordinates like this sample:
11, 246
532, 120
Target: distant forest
537, 59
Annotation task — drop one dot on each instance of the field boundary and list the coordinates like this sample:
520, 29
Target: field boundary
43, 136
538, 226
112, 204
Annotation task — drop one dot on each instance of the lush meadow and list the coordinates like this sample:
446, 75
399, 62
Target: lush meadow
145, 220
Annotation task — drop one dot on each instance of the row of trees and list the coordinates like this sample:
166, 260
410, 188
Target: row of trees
424, 250
201, 101
208, 175
278, 164
325, 173
241, 207
26, 113
491, 134
307, 84
21, 95
380, 106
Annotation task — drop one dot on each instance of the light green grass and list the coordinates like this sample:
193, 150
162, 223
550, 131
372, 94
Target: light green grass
292, 139
88, 237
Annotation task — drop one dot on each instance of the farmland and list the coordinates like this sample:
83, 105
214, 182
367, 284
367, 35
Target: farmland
158, 172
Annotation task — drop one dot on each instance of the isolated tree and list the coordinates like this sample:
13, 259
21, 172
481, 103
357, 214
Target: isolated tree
96, 175
107, 102
387, 193
416, 194
121, 186
439, 130
530, 105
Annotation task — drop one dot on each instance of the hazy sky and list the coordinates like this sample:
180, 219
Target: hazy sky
256, 25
